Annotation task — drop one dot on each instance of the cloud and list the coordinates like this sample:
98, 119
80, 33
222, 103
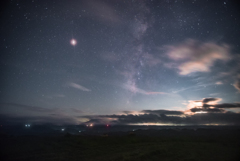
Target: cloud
227, 105
237, 85
227, 118
206, 110
131, 86
129, 119
211, 105
211, 100
76, 110
144, 116
194, 56
205, 102
77, 86
165, 112
219, 83
103, 11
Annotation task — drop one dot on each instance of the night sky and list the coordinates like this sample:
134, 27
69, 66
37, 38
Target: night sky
153, 62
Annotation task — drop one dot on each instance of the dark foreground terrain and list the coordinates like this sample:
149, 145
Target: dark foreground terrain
165, 145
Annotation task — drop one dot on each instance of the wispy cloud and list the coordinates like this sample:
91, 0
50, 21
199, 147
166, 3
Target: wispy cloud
131, 86
76, 110
219, 82
77, 86
194, 56
103, 11
237, 85
198, 86
55, 96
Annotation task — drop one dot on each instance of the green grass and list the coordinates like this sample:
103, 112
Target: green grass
119, 148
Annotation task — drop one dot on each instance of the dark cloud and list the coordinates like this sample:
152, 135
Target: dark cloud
165, 112
227, 118
128, 112
206, 110
142, 117
211, 113
131, 119
227, 105
206, 100
96, 121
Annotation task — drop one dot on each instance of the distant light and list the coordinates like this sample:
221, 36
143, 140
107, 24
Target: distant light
73, 42
107, 125
79, 131
26, 125
63, 129
91, 125
87, 125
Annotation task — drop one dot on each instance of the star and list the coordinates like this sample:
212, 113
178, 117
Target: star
73, 42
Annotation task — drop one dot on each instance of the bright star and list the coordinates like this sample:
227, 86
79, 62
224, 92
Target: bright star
73, 42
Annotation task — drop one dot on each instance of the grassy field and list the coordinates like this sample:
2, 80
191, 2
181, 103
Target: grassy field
118, 148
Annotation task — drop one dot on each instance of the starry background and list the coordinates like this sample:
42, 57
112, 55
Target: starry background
134, 62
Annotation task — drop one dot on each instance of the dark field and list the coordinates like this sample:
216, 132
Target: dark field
167, 145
